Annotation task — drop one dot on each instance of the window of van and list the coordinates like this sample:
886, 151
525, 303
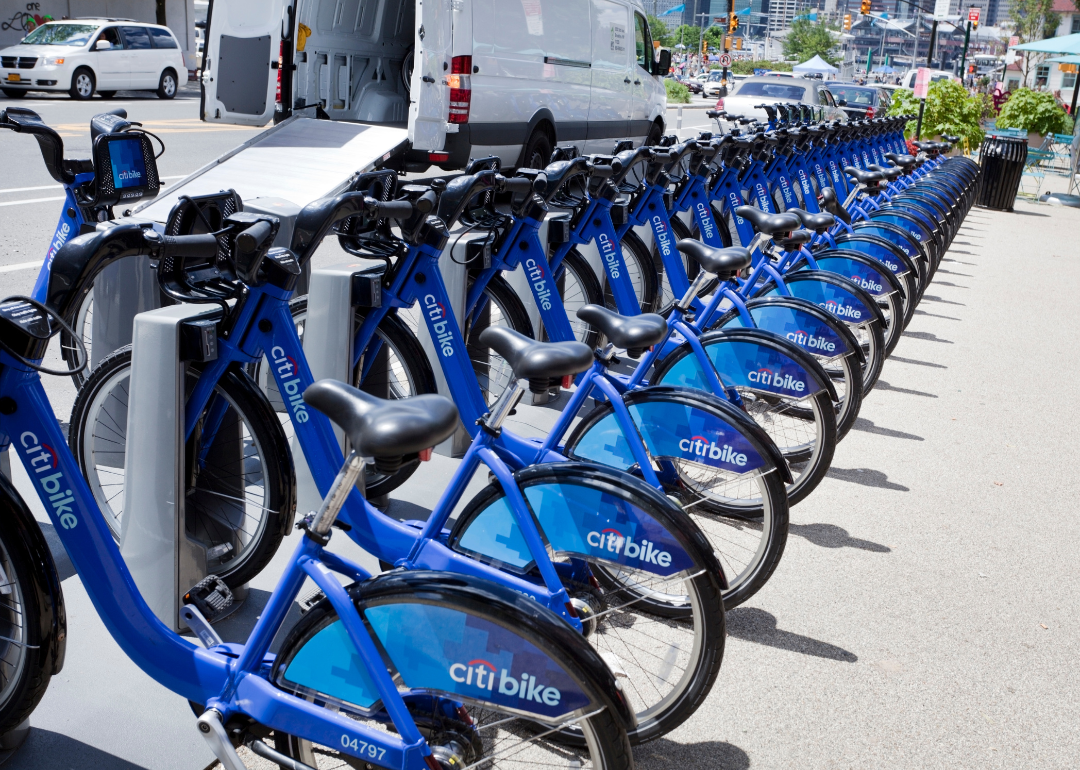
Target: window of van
610, 28
774, 90
642, 43
60, 34
162, 38
135, 37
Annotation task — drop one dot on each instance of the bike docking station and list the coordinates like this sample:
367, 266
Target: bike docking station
170, 566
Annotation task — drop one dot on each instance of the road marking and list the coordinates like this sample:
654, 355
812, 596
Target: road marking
19, 266
59, 187
32, 200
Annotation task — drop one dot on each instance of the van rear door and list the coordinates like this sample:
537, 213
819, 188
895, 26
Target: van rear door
240, 60
429, 94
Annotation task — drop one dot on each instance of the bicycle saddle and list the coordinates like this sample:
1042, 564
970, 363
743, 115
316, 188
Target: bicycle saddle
819, 223
769, 224
383, 428
538, 362
634, 333
723, 263
867, 178
792, 241
828, 200
950, 139
903, 161
889, 172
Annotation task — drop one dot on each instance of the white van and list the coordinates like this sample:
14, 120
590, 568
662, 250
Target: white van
467, 78
908, 80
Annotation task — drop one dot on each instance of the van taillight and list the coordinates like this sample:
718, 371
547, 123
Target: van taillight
280, 60
460, 82
869, 112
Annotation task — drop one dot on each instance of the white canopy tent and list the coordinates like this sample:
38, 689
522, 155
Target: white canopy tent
816, 66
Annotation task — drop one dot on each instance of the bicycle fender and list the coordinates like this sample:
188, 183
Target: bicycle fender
839, 296
679, 423
465, 637
864, 271
799, 321
893, 234
886, 252
52, 619
590, 511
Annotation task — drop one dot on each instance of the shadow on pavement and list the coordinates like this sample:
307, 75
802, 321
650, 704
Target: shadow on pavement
663, 754
882, 385
867, 477
917, 363
1029, 213
403, 510
867, 426
948, 283
65, 752
932, 298
950, 272
755, 625
928, 336
832, 536
935, 315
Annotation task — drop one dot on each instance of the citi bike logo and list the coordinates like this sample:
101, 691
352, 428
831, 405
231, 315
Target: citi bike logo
735, 202
805, 182
663, 239
613, 541
705, 217
866, 283
785, 190
781, 381
607, 249
480, 673
440, 325
58, 240
539, 283
811, 341
290, 382
703, 447
763, 197
43, 460
126, 175
841, 311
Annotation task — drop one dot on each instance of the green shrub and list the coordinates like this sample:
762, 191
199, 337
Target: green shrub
677, 92
1036, 111
950, 109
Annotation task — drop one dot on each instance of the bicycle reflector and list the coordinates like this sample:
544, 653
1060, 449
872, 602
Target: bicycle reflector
124, 169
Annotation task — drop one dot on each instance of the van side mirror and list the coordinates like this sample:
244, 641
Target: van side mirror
662, 65
102, 45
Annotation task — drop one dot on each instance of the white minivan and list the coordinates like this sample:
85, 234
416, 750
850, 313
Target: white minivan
467, 78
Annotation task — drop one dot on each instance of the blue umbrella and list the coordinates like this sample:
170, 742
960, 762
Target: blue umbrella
884, 68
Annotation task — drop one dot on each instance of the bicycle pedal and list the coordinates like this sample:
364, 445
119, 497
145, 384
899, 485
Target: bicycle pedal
310, 601
210, 596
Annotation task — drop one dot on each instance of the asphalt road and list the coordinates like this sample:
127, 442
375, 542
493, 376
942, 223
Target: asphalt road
924, 613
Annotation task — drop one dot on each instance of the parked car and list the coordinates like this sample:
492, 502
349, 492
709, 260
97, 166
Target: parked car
908, 80
692, 85
491, 78
753, 91
712, 83
88, 56
860, 101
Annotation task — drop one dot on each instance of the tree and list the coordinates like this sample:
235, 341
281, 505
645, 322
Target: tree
689, 36
1033, 20
660, 32
808, 39
715, 36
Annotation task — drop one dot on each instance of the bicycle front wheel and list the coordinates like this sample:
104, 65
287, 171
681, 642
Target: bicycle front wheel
240, 496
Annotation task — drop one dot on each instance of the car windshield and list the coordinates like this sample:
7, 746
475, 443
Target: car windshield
772, 90
714, 76
61, 34
853, 94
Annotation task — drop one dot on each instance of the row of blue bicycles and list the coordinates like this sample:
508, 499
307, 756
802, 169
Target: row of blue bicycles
706, 315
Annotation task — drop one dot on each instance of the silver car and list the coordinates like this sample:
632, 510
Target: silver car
753, 91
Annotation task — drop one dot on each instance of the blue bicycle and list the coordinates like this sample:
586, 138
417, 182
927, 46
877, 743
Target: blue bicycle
414, 670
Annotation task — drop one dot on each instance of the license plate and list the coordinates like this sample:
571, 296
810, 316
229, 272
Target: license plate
14, 77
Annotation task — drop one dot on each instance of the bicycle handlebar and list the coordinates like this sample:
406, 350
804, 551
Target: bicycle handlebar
203, 246
253, 238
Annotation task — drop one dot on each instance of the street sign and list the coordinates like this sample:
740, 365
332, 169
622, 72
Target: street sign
941, 9
922, 82
725, 60
1014, 41
973, 15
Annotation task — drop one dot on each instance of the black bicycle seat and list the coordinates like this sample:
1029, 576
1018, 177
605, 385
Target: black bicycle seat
635, 333
889, 172
723, 263
769, 224
819, 223
863, 177
792, 241
903, 161
384, 428
538, 362
950, 139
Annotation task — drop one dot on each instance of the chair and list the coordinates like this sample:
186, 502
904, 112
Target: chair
1034, 168
1062, 149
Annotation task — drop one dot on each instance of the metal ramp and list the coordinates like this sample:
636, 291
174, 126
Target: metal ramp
299, 160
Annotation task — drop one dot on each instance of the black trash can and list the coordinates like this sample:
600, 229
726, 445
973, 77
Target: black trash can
1002, 160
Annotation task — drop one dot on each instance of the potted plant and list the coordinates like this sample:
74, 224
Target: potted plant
1036, 112
950, 109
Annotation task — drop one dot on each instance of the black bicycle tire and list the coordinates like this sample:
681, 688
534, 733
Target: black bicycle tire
513, 309
262, 420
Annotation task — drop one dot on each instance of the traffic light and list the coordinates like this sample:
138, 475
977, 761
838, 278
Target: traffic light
974, 23
704, 46
864, 8
738, 43
847, 22
734, 25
